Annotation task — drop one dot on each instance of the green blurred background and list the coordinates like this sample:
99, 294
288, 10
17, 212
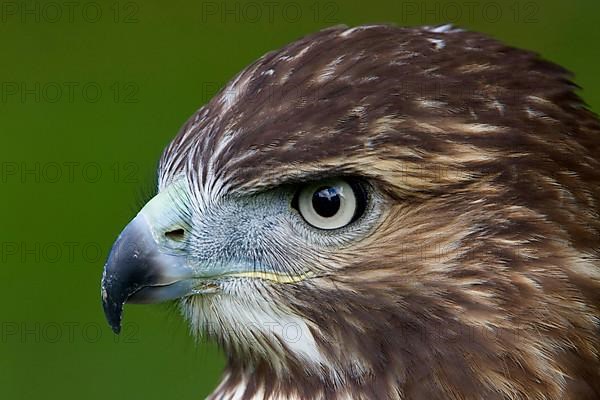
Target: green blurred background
90, 94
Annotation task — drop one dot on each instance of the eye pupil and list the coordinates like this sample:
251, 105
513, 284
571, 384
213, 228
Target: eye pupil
326, 201
330, 203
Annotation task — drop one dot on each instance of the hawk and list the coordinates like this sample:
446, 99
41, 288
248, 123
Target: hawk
382, 213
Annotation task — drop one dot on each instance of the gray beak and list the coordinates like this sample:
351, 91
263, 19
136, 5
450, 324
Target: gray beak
137, 271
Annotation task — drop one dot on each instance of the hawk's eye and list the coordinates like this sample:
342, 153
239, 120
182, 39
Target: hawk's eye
331, 203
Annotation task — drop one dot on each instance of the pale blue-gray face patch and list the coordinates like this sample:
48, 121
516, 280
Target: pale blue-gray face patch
171, 249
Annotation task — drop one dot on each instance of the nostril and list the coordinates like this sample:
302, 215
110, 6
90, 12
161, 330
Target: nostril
176, 234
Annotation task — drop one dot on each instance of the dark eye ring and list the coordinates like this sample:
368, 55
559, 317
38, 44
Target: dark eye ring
331, 203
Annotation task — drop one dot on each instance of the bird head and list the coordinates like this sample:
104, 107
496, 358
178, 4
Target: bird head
379, 211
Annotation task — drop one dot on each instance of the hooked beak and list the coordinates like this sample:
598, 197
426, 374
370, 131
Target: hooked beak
150, 261
137, 271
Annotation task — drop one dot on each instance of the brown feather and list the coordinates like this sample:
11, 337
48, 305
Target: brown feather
482, 280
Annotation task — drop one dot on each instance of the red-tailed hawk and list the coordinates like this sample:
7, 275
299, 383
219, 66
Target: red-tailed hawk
382, 213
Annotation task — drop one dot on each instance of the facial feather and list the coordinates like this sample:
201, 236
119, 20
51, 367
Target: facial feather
478, 278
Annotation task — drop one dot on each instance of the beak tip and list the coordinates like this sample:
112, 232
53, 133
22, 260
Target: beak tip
113, 310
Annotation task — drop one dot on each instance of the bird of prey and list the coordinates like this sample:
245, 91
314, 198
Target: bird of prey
382, 213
